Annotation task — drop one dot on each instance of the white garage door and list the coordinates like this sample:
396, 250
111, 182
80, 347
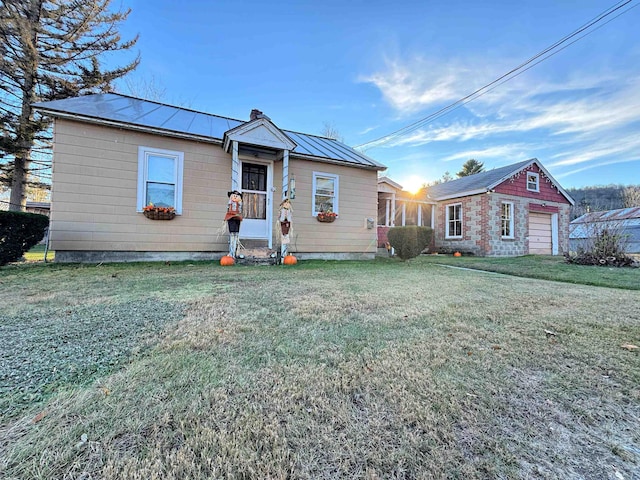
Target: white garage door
540, 234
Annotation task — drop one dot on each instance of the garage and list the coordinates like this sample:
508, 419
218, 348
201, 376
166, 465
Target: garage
540, 234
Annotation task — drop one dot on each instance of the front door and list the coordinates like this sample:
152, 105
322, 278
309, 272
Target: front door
256, 200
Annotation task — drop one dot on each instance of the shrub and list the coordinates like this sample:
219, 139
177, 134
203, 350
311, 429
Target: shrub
409, 242
605, 245
18, 233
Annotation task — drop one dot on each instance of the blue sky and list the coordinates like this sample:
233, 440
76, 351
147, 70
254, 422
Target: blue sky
371, 67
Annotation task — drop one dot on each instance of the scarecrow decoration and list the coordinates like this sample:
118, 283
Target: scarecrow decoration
285, 226
233, 219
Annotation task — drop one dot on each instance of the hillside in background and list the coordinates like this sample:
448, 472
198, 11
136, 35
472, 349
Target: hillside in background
595, 199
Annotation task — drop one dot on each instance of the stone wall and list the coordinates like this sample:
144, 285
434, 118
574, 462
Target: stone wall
482, 226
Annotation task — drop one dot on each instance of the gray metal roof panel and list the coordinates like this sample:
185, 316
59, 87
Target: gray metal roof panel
628, 215
118, 108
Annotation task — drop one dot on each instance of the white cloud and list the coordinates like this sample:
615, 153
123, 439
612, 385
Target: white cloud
504, 154
618, 146
367, 130
602, 164
578, 122
581, 105
412, 86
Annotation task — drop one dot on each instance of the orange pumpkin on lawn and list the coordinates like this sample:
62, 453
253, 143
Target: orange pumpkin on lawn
227, 261
290, 260
457, 254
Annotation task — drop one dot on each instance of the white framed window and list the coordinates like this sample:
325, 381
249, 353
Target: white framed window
533, 182
325, 193
454, 221
160, 178
506, 220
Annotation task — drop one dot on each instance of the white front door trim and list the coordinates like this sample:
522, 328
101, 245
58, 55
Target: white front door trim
253, 228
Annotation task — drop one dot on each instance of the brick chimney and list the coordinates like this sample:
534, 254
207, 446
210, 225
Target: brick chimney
255, 113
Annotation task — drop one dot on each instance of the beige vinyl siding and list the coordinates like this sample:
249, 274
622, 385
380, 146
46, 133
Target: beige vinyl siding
94, 197
94, 193
357, 201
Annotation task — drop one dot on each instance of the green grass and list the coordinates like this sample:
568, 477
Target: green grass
545, 268
36, 254
367, 370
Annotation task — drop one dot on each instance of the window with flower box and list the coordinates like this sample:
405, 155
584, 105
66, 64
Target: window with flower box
325, 193
160, 178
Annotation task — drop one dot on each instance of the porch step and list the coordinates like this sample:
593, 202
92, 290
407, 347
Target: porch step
256, 256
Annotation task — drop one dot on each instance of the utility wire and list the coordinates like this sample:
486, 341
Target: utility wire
461, 103
513, 73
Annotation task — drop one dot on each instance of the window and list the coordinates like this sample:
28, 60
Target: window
325, 193
454, 221
160, 178
533, 182
254, 190
506, 219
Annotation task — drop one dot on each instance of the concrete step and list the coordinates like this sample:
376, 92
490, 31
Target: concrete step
256, 256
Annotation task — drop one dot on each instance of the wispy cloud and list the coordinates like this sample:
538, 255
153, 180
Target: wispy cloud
601, 164
583, 105
580, 122
412, 86
509, 152
368, 129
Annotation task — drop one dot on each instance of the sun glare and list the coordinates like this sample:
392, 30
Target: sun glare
413, 184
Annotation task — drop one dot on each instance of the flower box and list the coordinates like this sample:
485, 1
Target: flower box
326, 217
159, 213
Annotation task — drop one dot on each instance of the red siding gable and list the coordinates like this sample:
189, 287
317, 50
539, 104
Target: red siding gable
517, 185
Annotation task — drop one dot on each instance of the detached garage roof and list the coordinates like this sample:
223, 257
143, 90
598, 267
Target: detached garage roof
485, 181
122, 111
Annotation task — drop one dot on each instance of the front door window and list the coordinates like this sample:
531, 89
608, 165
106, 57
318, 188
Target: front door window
254, 191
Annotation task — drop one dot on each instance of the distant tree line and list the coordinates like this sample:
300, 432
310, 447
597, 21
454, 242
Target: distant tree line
603, 197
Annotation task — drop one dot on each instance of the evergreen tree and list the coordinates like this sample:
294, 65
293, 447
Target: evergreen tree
49, 50
470, 167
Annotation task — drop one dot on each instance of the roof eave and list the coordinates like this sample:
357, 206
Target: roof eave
467, 193
333, 161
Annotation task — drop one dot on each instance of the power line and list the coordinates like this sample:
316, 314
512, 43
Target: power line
511, 74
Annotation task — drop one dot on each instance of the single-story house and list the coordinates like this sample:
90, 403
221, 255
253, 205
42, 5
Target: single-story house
623, 221
115, 154
514, 210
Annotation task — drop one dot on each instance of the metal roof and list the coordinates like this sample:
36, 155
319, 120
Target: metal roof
624, 221
621, 214
125, 111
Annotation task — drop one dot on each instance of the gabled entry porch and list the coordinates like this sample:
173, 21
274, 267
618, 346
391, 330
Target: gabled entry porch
255, 147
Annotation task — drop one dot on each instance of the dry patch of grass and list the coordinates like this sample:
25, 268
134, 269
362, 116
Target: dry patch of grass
348, 370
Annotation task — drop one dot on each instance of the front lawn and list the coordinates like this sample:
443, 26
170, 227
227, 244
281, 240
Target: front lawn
364, 370
544, 267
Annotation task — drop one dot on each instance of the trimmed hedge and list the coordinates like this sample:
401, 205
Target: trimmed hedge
409, 242
19, 232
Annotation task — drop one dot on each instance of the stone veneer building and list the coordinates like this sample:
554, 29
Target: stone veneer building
514, 210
